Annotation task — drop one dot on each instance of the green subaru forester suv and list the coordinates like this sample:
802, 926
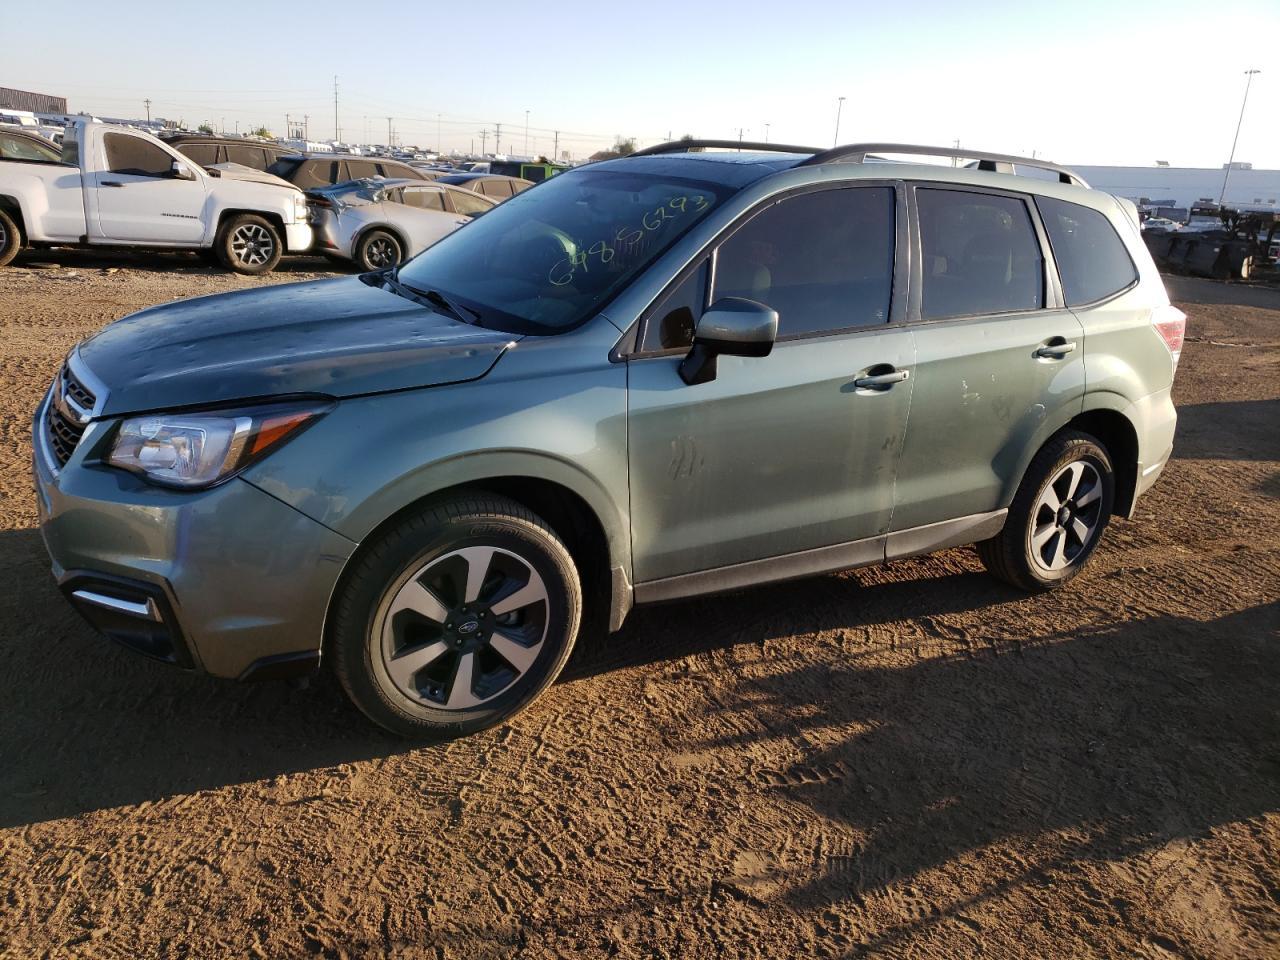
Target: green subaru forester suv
685, 371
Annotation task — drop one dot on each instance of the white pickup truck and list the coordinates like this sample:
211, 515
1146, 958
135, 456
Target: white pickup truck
118, 187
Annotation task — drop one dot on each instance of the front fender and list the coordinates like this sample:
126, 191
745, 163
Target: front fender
375, 455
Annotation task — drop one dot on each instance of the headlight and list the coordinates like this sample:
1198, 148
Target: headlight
200, 449
299, 208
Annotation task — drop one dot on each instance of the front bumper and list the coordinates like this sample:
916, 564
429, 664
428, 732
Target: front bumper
228, 580
297, 237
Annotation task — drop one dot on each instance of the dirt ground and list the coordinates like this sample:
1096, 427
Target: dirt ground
909, 761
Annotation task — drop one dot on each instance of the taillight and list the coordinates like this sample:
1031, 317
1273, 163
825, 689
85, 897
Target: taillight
1171, 324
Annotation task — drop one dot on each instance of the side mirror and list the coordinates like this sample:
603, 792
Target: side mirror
180, 171
732, 326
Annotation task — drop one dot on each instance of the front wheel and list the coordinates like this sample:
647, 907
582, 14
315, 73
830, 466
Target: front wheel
249, 244
1057, 516
10, 239
456, 618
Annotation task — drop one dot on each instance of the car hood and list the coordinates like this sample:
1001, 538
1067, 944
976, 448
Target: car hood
338, 338
238, 171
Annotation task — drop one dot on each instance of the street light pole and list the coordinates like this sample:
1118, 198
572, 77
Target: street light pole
839, 107
1232, 159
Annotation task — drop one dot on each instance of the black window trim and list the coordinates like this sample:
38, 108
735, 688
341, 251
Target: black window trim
1051, 284
628, 346
1137, 275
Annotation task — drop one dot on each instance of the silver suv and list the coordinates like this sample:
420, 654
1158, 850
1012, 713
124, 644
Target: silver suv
681, 372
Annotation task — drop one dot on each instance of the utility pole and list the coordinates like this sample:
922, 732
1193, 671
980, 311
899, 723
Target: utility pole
497, 139
288, 127
484, 137
390, 137
526, 133
839, 106
337, 130
555, 150
1249, 75
739, 139
766, 133
148, 103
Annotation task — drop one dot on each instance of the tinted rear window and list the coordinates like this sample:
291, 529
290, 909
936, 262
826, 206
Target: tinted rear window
1092, 259
205, 154
980, 254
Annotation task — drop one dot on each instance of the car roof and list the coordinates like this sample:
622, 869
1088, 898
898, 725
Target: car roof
466, 176
719, 162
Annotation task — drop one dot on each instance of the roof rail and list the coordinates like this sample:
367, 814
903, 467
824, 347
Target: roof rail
680, 146
994, 162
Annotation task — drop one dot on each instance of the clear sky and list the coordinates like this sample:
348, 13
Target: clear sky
1094, 81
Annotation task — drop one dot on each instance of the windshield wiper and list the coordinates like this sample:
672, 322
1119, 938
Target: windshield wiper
428, 298
438, 299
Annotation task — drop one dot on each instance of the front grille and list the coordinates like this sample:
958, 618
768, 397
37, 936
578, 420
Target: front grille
62, 430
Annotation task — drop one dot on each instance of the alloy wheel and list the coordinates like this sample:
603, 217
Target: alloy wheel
381, 252
1066, 516
252, 244
464, 627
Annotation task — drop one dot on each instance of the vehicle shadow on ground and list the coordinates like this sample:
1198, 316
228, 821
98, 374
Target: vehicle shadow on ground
1114, 740
64, 259
89, 725
1253, 432
1198, 290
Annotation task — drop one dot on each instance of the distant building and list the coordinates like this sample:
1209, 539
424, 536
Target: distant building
1165, 186
35, 102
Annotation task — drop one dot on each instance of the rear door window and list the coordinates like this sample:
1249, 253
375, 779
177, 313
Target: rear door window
136, 157
1092, 259
823, 260
205, 154
249, 156
358, 169
980, 254
467, 203
498, 189
424, 198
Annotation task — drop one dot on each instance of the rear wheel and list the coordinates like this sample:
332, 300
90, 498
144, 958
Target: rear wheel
1057, 516
378, 250
10, 238
456, 618
249, 244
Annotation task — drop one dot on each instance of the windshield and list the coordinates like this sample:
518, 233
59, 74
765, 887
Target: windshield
549, 257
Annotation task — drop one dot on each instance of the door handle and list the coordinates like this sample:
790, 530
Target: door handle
110, 183
1055, 351
882, 379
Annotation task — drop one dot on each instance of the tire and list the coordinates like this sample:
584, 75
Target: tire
1074, 470
377, 250
468, 665
249, 244
10, 239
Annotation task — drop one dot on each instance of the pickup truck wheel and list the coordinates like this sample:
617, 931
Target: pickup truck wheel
10, 239
1057, 516
456, 618
378, 250
249, 244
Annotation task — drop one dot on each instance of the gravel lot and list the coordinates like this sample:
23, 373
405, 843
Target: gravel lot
904, 761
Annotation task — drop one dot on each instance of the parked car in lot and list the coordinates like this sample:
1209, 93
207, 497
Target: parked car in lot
120, 187
487, 184
660, 376
324, 170
209, 151
381, 223
17, 144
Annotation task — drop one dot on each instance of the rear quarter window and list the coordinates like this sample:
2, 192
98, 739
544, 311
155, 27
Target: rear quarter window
1092, 259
